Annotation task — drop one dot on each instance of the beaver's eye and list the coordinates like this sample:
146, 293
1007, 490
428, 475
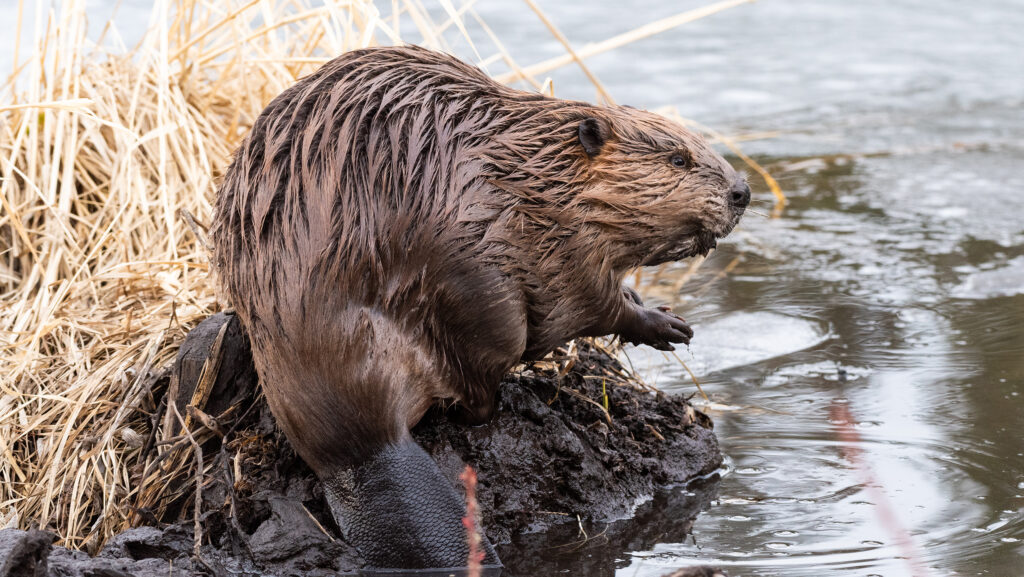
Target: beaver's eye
679, 161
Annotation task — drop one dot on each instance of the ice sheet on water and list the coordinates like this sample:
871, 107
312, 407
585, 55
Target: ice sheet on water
746, 338
733, 340
1007, 280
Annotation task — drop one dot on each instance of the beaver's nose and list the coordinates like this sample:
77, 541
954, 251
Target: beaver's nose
739, 196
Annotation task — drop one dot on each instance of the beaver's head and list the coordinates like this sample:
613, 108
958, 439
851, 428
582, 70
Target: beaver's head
658, 187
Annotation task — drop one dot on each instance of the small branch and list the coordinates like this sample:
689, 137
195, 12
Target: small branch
197, 527
476, 555
194, 226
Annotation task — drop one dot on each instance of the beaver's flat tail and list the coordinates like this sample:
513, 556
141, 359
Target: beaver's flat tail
401, 512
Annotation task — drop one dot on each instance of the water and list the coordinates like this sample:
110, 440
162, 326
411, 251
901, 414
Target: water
865, 359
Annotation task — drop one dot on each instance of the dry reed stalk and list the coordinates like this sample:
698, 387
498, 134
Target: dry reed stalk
101, 150
601, 92
650, 29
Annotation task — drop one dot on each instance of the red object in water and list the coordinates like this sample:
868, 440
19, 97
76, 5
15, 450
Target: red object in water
888, 518
476, 555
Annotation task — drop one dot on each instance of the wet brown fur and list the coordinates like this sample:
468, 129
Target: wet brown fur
398, 228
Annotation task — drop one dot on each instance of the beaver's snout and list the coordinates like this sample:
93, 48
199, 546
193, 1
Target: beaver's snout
739, 197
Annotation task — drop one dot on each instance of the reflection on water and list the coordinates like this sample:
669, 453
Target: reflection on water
596, 550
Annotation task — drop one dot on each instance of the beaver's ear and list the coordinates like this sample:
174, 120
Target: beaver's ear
593, 134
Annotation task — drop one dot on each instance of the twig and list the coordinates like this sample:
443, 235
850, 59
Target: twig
197, 526
476, 555
190, 220
622, 39
572, 53
693, 377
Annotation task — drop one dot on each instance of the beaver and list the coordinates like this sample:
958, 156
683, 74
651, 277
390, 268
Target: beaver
398, 229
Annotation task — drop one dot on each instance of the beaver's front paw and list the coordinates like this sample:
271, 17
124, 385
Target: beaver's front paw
658, 328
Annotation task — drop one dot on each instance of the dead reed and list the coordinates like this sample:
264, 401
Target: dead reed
103, 149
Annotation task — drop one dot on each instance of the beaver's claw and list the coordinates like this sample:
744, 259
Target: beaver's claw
658, 328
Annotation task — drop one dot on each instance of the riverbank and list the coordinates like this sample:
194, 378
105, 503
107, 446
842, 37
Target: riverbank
574, 440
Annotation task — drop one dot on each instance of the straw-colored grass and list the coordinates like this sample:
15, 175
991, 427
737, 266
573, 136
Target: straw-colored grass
103, 148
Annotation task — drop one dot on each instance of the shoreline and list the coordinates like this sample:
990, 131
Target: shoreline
552, 456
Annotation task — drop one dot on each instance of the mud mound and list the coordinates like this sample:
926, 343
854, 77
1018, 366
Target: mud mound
571, 441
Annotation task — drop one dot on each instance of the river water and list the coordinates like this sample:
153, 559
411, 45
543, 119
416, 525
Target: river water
864, 357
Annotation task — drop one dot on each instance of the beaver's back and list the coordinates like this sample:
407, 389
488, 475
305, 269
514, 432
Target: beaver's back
356, 170
361, 192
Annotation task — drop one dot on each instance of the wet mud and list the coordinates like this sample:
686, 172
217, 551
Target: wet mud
575, 458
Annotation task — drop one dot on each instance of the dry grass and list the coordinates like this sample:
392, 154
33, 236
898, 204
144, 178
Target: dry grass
101, 149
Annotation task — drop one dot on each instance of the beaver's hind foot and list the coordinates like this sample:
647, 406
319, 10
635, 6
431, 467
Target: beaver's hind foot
400, 512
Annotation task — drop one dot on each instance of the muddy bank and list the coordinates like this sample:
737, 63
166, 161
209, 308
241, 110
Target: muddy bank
571, 442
